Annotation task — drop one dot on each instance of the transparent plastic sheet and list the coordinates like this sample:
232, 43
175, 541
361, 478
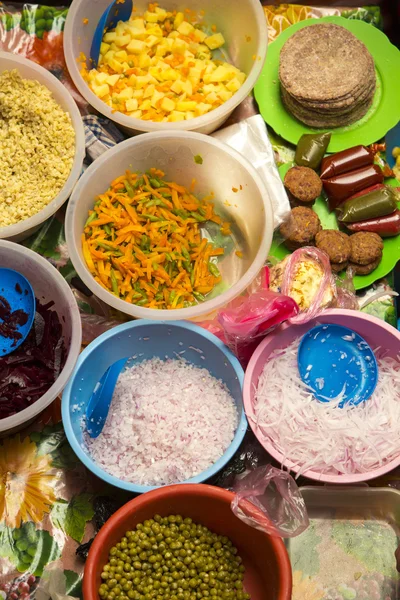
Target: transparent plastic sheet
247, 319
36, 32
250, 138
279, 507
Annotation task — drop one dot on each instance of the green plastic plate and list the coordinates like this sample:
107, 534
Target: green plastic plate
384, 112
391, 246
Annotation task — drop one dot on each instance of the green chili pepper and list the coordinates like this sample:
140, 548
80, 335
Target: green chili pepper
311, 149
187, 266
199, 296
145, 243
107, 229
143, 301
192, 278
150, 203
168, 256
201, 211
151, 218
198, 217
172, 296
129, 188
154, 183
138, 183
114, 283
91, 218
378, 203
155, 266
97, 203
113, 250
166, 194
213, 270
185, 253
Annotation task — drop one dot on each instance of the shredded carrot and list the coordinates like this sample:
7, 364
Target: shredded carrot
142, 242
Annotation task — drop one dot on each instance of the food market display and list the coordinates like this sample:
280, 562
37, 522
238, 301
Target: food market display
32, 125
153, 240
162, 67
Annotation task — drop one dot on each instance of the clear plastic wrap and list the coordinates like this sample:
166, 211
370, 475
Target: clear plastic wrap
279, 506
248, 318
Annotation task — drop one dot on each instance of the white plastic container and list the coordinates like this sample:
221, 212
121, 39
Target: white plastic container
242, 23
30, 70
48, 285
223, 170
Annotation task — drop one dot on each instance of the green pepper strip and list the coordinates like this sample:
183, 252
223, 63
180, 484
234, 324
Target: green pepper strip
129, 189
213, 270
91, 218
114, 283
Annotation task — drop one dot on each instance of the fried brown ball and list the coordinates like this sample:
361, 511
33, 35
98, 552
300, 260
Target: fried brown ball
366, 247
303, 185
300, 228
365, 269
335, 244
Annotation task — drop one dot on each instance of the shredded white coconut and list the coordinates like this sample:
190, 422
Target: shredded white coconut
168, 422
321, 436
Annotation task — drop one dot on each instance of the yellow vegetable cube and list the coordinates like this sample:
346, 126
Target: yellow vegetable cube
132, 104
121, 55
176, 116
137, 24
136, 29
149, 91
112, 79
186, 105
177, 87
190, 115
109, 36
108, 56
225, 95
202, 108
150, 17
146, 104
151, 41
101, 90
220, 74
185, 28
104, 48
152, 29
157, 96
233, 85
161, 50
179, 46
212, 97
138, 94
122, 40
144, 61
161, 13
136, 114
169, 75
173, 35
194, 48
168, 105
199, 35
180, 17
215, 41
132, 80
136, 47
142, 81
115, 65
194, 74
126, 94
101, 78
241, 77
188, 88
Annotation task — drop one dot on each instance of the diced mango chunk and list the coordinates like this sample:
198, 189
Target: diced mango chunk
215, 41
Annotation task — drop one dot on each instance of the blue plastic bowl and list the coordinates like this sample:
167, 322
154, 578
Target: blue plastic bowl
148, 339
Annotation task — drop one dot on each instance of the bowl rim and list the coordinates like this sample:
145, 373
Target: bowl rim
217, 115
180, 313
37, 219
37, 407
269, 447
114, 332
203, 490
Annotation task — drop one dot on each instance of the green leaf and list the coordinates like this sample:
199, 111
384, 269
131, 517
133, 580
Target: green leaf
47, 550
72, 517
73, 584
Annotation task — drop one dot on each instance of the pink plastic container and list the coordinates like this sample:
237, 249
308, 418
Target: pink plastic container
375, 331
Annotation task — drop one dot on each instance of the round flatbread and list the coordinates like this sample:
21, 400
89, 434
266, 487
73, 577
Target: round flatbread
323, 62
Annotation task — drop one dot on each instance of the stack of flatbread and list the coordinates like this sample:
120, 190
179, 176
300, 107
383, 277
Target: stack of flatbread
327, 76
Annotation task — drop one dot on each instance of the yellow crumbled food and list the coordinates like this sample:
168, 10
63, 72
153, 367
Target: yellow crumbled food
167, 63
37, 147
396, 155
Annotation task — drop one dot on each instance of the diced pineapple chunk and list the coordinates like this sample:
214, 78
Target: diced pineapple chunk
132, 104
173, 35
121, 55
101, 78
144, 61
142, 81
169, 75
179, 46
108, 55
138, 94
150, 17
233, 85
186, 105
112, 79
126, 94
136, 114
146, 104
137, 24
161, 50
220, 74
194, 74
180, 17
101, 90
122, 40
151, 41
115, 65
149, 91
202, 108
104, 48
176, 116
161, 13
215, 41
154, 30
189, 115
199, 35
167, 104
241, 77
109, 36
185, 28
225, 95
177, 86
132, 80
212, 97
157, 96
188, 88
136, 47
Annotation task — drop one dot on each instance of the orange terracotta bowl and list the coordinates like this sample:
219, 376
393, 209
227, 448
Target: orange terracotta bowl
268, 573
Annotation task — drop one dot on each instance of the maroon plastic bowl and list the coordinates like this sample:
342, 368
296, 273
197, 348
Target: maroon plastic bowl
268, 572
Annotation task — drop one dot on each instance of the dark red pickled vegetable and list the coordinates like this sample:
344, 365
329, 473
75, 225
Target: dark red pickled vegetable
388, 226
10, 321
345, 161
28, 372
340, 188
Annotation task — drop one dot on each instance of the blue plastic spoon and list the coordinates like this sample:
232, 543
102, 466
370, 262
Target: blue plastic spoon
99, 403
332, 358
117, 11
17, 292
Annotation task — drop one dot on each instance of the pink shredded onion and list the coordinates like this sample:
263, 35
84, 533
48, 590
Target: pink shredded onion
321, 436
168, 422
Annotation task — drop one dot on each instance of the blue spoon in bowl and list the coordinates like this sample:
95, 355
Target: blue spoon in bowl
100, 400
117, 11
17, 310
332, 358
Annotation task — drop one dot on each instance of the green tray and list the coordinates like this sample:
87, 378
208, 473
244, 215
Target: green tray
391, 246
384, 112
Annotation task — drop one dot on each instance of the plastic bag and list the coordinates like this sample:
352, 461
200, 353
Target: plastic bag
245, 320
275, 504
